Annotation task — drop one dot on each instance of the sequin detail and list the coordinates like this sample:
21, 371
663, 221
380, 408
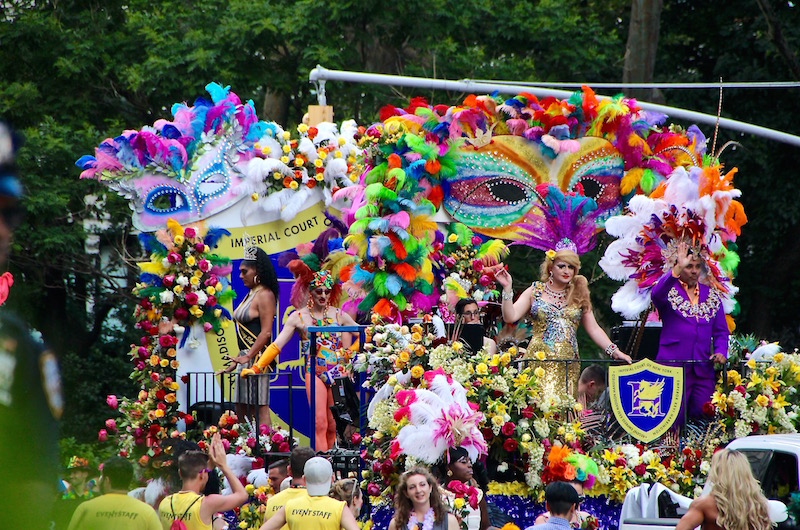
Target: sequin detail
704, 310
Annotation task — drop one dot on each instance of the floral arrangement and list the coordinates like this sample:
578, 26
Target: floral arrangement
589, 523
251, 514
181, 285
464, 499
460, 258
241, 438
183, 279
763, 401
315, 156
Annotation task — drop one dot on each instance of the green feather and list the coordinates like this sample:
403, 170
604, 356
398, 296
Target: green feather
647, 182
376, 174
379, 284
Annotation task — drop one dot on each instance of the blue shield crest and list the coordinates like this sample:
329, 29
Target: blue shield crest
645, 397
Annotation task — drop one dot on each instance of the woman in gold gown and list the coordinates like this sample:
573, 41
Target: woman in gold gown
558, 304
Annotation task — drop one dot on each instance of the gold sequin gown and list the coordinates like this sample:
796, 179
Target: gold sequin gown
555, 333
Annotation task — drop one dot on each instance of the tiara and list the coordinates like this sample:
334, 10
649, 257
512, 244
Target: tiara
250, 250
566, 244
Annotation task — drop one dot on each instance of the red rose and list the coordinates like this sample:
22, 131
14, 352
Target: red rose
708, 409
166, 341
188, 420
181, 313
494, 370
527, 412
185, 379
508, 428
741, 389
497, 393
160, 394
510, 445
620, 462
640, 470
191, 298
258, 463
284, 447
688, 465
355, 438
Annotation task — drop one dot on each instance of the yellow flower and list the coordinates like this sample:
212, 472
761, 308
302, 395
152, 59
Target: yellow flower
318, 162
171, 352
164, 363
142, 395
319, 177
173, 386
391, 381
210, 292
762, 400
277, 175
218, 313
404, 356
417, 372
177, 289
550, 254
179, 240
194, 280
294, 185
159, 413
198, 273
416, 328
342, 141
494, 360
521, 380
498, 421
505, 359
337, 154
751, 364
777, 358
482, 369
190, 261
285, 159
154, 360
539, 372
254, 196
286, 149
266, 150
170, 398
540, 355
779, 402
771, 371
416, 337
419, 351
302, 128
249, 489
299, 162
734, 378
561, 431
457, 346
243, 525
458, 503
452, 238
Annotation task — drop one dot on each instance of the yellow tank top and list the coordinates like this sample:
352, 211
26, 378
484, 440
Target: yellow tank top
175, 506
319, 513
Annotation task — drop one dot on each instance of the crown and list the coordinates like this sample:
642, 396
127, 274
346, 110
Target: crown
566, 244
250, 250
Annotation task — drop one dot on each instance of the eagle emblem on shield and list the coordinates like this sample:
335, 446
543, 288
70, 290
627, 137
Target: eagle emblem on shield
645, 397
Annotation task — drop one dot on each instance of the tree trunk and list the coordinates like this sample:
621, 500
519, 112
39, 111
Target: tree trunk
640, 51
276, 107
776, 36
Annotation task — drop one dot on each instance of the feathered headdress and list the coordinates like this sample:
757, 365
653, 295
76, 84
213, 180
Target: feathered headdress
439, 418
311, 262
695, 206
561, 221
563, 464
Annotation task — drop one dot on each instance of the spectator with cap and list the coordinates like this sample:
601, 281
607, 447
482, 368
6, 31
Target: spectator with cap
562, 501
115, 509
297, 463
30, 386
316, 509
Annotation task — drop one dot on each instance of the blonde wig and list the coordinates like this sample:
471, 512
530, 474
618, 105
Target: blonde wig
740, 502
578, 288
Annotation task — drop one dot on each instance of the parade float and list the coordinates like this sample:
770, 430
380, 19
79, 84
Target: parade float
431, 195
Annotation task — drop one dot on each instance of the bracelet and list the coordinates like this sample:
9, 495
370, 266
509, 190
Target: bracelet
507, 295
610, 349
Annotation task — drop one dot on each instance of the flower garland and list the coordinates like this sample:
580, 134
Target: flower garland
182, 284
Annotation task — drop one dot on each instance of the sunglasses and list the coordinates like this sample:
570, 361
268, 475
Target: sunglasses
206, 470
320, 291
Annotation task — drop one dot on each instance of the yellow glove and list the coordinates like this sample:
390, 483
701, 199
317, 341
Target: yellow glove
260, 366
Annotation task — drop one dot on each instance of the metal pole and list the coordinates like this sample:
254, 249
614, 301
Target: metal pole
319, 73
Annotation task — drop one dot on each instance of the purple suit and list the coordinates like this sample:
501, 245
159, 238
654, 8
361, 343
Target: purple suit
691, 333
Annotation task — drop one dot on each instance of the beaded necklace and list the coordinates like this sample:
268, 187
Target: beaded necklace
559, 297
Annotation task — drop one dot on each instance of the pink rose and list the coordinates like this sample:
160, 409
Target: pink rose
477, 265
450, 262
174, 257
200, 247
181, 313
356, 438
508, 428
484, 280
226, 444
476, 241
263, 429
277, 438
191, 298
102, 435
111, 425
283, 447
373, 489
111, 401
251, 442
189, 232
211, 302
165, 341
204, 265
168, 280
207, 327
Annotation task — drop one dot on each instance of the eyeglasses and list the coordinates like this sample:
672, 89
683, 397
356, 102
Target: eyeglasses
471, 313
581, 498
206, 470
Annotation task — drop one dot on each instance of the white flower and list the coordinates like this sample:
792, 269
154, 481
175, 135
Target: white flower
166, 296
202, 298
182, 280
165, 263
705, 466
502, 468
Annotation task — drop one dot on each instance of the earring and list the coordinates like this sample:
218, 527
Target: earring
256, 279
309, 303
551, 275
449, 472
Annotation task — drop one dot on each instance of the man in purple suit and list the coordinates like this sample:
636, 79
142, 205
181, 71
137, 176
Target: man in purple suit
694, 327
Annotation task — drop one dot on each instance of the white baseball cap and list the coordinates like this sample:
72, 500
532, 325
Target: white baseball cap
318, 473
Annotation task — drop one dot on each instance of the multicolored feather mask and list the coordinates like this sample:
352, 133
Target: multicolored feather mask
186, 169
